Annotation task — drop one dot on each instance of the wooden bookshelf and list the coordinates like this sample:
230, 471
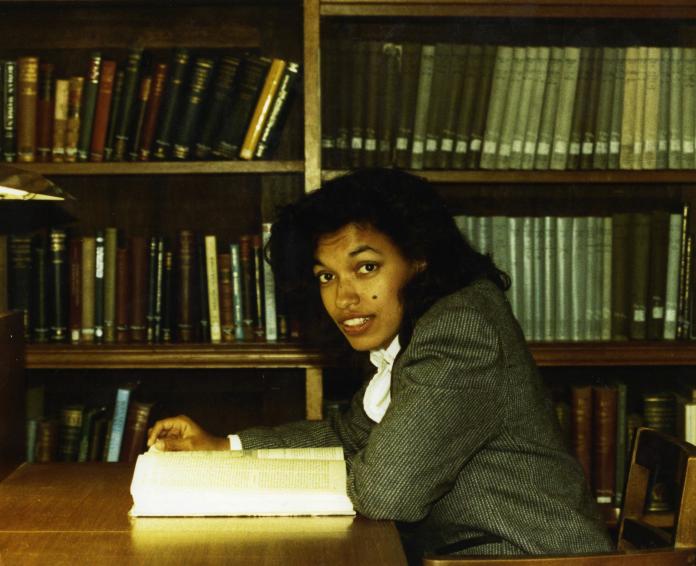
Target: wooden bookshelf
166, 168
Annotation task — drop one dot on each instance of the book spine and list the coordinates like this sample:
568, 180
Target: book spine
525, 101
511, 108
88, 272
651, 110
118, 424
496, 107
410, 61
639, 246
279, 111
621, 442
564, 109
127, 104
226, 303
28, 83
60, 120
531, 133
683, 273
237, 292
110, 245
219, 100
72, 127
604, 446
672, 280
213, 291
248, 299
257, 264
261, 112
168, 297
135, 431
138, 285
69, 435
390, 62
88, 420
186, 133
631, 70
89, 103
185, 286
202, 303
600, 159
372, 94
356, 125
581, 413
620, 281
39, 319
617, 96
44, 113
171, 104
9, 111
159, 291
116, 96
663, 110
123, 295
139, 117
639, 109
607, 238
590, 110
101, 112
420, 119
542, 155
75, 309
152, 112
151, 289
99, 287
59, 290
269, 293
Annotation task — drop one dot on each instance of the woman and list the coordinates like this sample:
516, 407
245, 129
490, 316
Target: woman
454, 437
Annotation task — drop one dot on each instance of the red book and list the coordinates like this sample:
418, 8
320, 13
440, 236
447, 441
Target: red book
28, 70
101, 111
133, 442
185, 286
122, 296
44, 113
226, 305
138, 288
604, 452
75, 292
154, 103
581, 413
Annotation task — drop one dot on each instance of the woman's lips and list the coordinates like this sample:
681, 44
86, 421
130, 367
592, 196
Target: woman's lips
356, 324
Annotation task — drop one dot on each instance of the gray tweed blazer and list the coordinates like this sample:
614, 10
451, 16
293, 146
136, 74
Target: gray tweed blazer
469, 448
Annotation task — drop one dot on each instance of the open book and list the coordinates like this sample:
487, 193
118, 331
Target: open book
292, 481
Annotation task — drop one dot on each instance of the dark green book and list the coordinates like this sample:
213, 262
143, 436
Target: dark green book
99, 287
462, 131
128, 103
657, 282
69, 435
159, 287
389, 102
639, 261
343, 94
452, 104
582, 95
19, 292
39, 316
373, 91
116, 95
139, 110
9, 111
219, 100
167, 318
252, 76
590, 111
89, 103
59, 289
151, 288
440, 94
330, 76
191, 112
201, 305
173, 98
480, 110
620, 276
358, 75
408, 87
89, 419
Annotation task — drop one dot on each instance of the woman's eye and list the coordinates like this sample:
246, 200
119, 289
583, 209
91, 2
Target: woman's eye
324, 277
367, 268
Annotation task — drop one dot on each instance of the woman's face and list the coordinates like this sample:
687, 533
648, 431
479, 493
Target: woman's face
360, 273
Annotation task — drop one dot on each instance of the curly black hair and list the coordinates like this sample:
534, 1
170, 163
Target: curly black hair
404, 207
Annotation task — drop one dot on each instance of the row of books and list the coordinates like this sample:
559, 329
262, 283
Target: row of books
193, 106
471, 106
618, 277
82, 433
111, 289
599, 423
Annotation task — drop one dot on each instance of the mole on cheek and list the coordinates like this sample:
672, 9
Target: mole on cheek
374, 297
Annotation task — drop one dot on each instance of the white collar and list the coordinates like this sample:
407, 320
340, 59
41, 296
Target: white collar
378, 392
385, 356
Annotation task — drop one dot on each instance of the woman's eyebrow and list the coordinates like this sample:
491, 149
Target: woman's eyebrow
363, 248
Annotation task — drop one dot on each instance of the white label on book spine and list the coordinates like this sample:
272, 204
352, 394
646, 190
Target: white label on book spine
417, 147
328, 143
671, 315
662, 145
639, 314
688, 146
431, 144
587, 148
675, 145
614, 147
517, 146
529, 147
490, 147
446, 144
649, 146
370, 144
658, 312
460, 147
560, 147
637, 147
543, 148
402, 144
601, 147
475, 144
356, 143
574, 148
504, 149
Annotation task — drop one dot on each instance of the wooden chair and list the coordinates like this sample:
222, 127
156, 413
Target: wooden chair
660, 466
12, 425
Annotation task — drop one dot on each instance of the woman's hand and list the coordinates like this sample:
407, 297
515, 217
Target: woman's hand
181, 433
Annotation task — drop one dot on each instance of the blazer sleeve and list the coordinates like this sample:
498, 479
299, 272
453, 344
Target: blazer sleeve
447, 400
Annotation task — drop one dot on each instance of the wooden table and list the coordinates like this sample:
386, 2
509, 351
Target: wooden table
77, 514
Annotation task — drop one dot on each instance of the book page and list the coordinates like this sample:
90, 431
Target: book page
331, 453
227, 483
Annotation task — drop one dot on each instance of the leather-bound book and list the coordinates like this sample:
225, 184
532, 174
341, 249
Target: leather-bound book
151, 288
134, 433
226, 303
171, 105
604, 449
9, 111
184, 327
480, 109
253, 74
159, 290
28, 85
202, 312
257, 264
70, 428
72, 127
192, 107
44, 113
280, 108
581, 412
124, 118
167, 324
89, 103
389, 102
211, 262
102, 110
58, 297
139, 117
39, 319
138, 289
116, 96
123, 285
248, 299
154, 103
99, 287
20, 278
75, 302
88, 279
219, 100
60, 120
262, 109
110, 245
237, 294
410, 63
46, 441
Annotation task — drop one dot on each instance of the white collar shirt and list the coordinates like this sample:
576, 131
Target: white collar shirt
378, 393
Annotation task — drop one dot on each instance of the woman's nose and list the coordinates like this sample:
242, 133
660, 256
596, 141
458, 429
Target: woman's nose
346, 295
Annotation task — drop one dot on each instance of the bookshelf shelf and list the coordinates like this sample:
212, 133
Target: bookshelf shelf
166, 168
188, 356
584, 177
566, 354
622, 9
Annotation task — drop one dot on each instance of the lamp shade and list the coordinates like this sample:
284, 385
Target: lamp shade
29, 201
